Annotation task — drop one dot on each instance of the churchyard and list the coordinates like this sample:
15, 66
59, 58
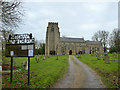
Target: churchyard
43, 73
107, 71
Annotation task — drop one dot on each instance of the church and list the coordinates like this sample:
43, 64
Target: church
56, 45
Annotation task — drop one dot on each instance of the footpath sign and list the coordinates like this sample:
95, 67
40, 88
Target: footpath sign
20, 45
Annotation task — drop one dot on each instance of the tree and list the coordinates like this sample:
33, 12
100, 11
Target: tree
101, 36
4, 36
39, 47
11, 15
114, 41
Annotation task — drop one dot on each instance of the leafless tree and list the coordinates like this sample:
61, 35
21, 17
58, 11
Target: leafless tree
4, 36
101, 36
114, 39
38, 43
11, 15
96, 37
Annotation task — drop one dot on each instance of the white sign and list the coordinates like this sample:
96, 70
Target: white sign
30, 47
30, 52
11, 53
24, 47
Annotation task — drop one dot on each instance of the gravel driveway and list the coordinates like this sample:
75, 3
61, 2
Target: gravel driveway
79, 75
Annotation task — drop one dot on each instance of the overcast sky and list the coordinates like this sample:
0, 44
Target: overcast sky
80, 19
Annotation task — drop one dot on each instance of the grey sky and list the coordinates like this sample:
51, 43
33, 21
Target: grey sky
80, 19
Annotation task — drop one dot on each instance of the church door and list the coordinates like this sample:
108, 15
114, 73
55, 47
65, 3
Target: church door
70, 52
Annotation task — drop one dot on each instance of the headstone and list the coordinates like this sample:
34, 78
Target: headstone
102, 55
43, 57
36, 58
115, 55
39, 57
92, 54
98, 56
57, 57
106, 58
79, 55
23, 65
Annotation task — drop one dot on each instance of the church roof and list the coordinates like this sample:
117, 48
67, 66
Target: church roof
92, 42
67, 39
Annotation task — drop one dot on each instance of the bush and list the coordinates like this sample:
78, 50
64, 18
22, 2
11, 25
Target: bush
113, 49
52, 52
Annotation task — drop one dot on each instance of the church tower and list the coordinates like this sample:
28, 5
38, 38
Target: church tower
52, 38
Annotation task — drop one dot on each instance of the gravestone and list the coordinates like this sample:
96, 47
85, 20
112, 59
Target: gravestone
115, 55
36, 59
79, 55
106, 58
92, 53
43, 57
98, 56
39, 57
102, 55
22, 65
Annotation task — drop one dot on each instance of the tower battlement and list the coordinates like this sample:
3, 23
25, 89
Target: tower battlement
52, 23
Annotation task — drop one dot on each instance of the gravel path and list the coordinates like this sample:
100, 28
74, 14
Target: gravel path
79, 75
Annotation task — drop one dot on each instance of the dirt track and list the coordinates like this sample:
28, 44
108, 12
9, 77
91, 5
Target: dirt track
79, 75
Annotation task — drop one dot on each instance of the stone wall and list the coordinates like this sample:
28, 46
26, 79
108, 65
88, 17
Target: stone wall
77, 47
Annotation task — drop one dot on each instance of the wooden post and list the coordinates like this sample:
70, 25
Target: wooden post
11, 76
28, 70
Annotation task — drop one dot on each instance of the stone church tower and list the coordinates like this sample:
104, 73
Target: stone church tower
52, 37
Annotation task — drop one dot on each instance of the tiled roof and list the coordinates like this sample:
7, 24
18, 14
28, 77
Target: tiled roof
92, 42
67, 39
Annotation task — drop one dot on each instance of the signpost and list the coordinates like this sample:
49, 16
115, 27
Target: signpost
20, 45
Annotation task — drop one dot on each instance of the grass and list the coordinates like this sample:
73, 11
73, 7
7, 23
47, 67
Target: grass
108, 72
42, 75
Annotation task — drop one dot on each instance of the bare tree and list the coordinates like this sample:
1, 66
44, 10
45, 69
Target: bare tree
37, 44
111, 40
96, 36
11, 15
4, 36
101, 36
114, 39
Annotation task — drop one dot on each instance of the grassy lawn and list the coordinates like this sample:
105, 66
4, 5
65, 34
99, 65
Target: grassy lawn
42, 74
108, 72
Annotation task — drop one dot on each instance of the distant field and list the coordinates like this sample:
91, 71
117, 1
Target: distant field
42, 74
108, 72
